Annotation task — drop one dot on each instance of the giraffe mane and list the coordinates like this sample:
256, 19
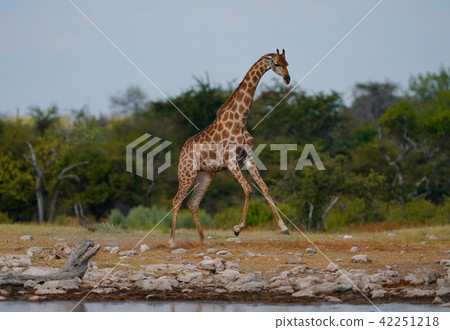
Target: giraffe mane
233, 95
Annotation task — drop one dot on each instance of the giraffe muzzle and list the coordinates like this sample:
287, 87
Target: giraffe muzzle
287, 79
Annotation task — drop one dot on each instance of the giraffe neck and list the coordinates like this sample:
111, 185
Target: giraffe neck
237, 107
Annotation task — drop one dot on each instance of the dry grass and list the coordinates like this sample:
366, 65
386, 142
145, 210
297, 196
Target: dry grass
385, 250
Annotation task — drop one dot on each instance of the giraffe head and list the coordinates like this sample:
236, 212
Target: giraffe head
277, 62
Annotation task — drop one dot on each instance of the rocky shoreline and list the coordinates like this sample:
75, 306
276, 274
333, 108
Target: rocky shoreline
217, 278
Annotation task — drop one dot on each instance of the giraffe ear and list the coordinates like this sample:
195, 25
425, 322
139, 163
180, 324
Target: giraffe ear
283, 53
278, 52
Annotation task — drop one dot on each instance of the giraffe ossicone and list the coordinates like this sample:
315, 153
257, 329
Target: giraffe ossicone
226, 145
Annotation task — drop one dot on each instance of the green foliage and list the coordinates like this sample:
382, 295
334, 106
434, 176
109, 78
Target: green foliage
62, 220
4, 219
258, 214
346, 139
141, 217
108, 228
116, 218
346, 213
185, 219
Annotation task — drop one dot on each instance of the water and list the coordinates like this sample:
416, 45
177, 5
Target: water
65, 306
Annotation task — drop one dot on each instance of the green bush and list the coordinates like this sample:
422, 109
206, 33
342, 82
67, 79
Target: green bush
116, 218
345, 213
62, 220
185, 220
108, 228
141, 217
4, 219
258, 214
420, 211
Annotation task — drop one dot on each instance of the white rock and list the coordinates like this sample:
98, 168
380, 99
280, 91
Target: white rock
295, 259
354, 249
27, 238
332, 299
283, 289
179, 251
431, 237
107, 248
234, 239
34, 250
402, 252
443, 291
207, 258
223, 253
188, 277
164, 283
12, 260
307, 293
437, 301
232, 266
144, 248
227, 275
391, 235
29, 284
332, 267
419, 293
206, 265
114, 250
214, 251
380, 293
58, 285
2, 298
127, 253
348, 236
444, 262
360, 258
310, 250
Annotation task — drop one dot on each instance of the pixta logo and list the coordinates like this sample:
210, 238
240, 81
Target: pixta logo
150, 154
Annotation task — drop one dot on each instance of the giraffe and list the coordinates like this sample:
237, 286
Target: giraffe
225, 145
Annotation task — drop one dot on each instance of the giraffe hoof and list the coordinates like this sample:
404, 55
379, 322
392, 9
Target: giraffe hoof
285, 232
172, 244
236, 230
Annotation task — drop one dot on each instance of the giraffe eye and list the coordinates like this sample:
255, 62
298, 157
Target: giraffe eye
276, 64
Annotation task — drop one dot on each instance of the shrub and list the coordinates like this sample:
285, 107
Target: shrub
258, 214
420, 211
62, 220
141, 217
4, 219
108, 228
345, 214
185, 219
116, 218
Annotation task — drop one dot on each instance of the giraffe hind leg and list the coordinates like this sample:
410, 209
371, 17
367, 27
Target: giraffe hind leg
202, 183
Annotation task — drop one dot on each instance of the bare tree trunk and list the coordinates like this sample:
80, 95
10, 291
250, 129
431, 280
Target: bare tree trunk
62, 175
310, 215
327, 210
75, 267
39, 176
398, 179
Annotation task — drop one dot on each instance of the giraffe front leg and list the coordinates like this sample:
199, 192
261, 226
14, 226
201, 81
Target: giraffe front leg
235, 170
265, 190
183, 188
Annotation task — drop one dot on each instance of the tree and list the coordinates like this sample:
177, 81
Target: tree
130, 101
371, 100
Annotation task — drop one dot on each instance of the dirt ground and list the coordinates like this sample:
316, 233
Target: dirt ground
406, 248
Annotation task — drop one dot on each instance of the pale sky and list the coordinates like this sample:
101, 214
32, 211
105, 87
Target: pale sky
50, 54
